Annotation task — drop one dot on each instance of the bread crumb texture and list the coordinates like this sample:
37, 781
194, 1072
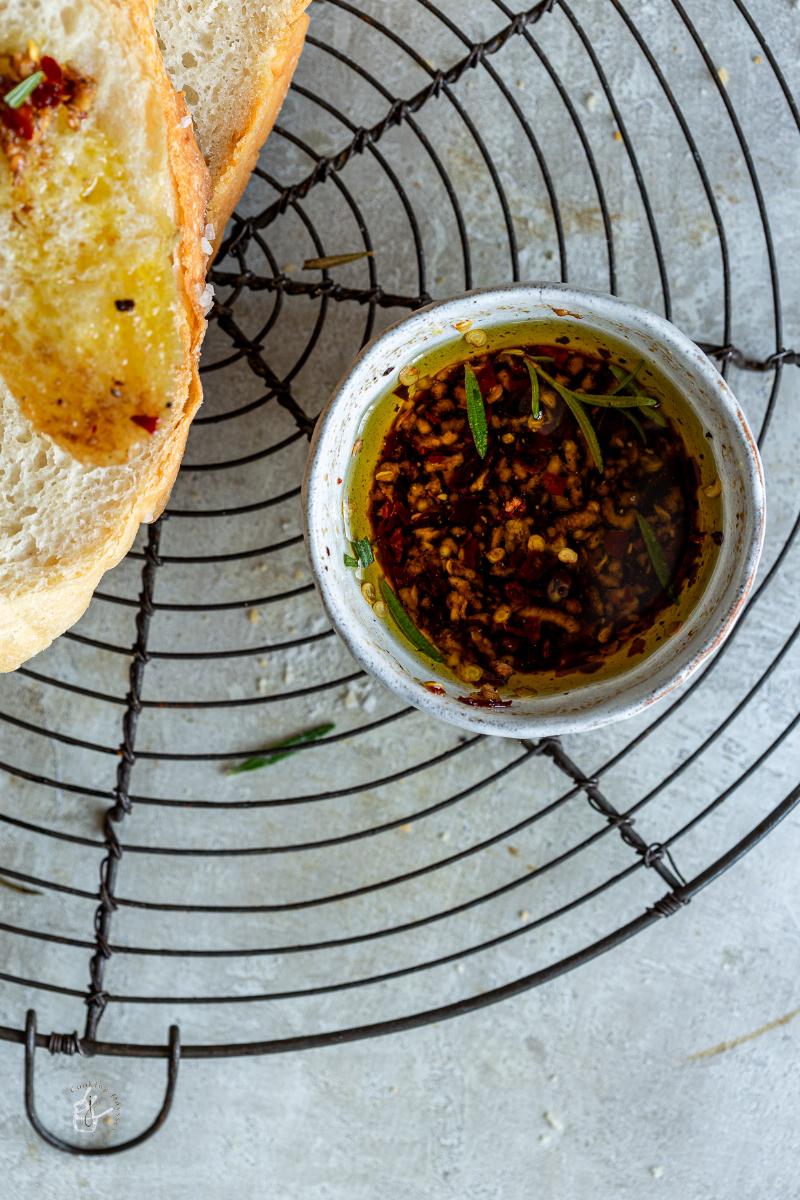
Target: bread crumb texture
218, 52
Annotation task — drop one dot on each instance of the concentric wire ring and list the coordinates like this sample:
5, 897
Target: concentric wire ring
372, 879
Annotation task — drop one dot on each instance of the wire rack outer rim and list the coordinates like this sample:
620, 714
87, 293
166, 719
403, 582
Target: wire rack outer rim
678, 895
669, 905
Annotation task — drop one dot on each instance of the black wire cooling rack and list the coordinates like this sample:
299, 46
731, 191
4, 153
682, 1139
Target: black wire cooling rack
397, 872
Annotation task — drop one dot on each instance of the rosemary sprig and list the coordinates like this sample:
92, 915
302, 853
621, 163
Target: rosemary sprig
535, 405
406, 626
656, 555
335, 260
281, 750
575, 406
19, 94
476, 411
624, 380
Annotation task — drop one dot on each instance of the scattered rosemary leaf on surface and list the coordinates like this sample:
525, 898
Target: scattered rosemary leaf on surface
476, 411
349, 561
535, 407
19, 94
656, 555
406, 626
18, 887
335, 260
363, 551
280, 750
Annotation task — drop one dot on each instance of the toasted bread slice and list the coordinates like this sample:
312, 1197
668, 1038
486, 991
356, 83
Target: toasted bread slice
103, 196
234, 61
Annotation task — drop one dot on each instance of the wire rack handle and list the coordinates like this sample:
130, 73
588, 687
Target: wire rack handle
95, 1151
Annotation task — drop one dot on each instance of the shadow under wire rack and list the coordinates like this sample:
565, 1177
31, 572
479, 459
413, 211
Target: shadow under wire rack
397, 872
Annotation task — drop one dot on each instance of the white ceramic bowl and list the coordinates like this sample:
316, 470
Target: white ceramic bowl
381, 649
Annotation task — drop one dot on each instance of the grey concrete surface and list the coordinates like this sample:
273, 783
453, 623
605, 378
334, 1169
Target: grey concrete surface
666, 1067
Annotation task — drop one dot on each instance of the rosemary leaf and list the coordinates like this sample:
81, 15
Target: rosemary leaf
335, 260
281, 750
19, 94
655, 554
406, 626
349, 561
18, 887
586, 427
476, 411
612, 401
656, 417
624, 378
636, 423
363, 551
535, 406
524, 354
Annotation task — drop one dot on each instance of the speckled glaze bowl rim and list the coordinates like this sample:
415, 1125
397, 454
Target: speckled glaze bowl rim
613, 701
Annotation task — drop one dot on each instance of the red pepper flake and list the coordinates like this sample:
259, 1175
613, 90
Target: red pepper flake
52, 70
338, 481
47, 95
145, 422
19, 121
556, 485
435, 689
637, 646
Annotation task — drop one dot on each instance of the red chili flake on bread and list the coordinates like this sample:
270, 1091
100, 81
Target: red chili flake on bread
145, 422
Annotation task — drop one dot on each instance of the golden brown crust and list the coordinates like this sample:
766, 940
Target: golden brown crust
231, 182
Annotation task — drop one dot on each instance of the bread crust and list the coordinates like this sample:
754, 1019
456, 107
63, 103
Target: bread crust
31, 619
229, 185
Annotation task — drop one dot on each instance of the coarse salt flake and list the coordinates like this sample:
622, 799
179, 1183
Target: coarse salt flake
206, 298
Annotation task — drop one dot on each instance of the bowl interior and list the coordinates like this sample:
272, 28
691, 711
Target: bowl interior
375, 642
